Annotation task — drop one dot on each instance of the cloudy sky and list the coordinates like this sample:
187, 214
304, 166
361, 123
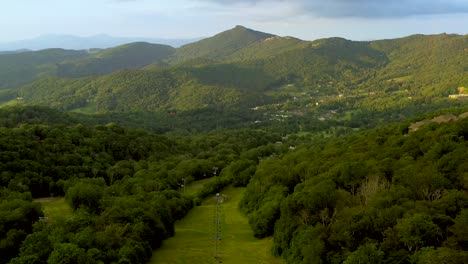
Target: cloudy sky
306, 19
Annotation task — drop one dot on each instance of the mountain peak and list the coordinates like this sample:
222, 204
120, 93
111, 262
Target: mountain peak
244, 31
240, 27
222, 45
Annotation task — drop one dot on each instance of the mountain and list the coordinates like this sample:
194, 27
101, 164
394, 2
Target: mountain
129, 56
20, 68
138, 90
80, 43
222, 45
268, 47
238, 84
323, 61
13, 51
434, 65
242, 69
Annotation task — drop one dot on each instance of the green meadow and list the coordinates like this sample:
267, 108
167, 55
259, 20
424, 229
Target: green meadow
196, 186
55, 207
194, 239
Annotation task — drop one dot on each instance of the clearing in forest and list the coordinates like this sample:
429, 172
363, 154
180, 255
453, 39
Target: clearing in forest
55, 207
194, 239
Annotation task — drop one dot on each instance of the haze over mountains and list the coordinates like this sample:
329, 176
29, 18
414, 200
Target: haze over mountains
101, 41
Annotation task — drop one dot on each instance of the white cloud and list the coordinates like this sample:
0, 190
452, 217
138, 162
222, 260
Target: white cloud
363, 8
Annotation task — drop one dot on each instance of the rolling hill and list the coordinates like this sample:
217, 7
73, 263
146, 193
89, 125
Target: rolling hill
242, 68
222, 84
129, 56
21, 68
100, 41
135, 90
13, 51
17, 69
267, 47
434, 65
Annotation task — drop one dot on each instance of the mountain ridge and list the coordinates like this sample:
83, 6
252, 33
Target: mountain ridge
100, 41
129, 56
252, 68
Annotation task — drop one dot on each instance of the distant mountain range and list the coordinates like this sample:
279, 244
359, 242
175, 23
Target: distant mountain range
79, 43
13, 51
240, 68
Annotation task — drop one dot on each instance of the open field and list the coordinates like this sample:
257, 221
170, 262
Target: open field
195, 186
55, 207
89, 109
194, 243
9, 103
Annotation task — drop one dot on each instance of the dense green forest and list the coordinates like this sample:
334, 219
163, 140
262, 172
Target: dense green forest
123, 185
318, 132
381, 196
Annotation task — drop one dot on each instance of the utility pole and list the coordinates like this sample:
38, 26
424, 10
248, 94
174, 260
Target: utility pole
217, 226
215, 169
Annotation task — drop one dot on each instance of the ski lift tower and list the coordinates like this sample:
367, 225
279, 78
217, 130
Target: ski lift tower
217, 226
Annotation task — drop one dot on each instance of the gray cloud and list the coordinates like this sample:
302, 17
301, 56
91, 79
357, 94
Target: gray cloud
366, 8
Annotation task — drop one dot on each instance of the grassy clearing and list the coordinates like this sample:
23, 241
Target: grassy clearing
55, 207
9, 103
195, 186
401, 79
88, 109
194, 243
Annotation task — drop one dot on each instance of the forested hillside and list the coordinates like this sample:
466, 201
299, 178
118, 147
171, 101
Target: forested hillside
382, 196
242, 69
129, 56
21, 68
432, 65
137, 90
222, 45
123, 185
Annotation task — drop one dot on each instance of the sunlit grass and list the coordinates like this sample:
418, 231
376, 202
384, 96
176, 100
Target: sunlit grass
9, 103
55, 207
194, 243
196, 186
89, 109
